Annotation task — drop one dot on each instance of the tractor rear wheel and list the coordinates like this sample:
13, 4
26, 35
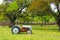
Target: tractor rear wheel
15, 30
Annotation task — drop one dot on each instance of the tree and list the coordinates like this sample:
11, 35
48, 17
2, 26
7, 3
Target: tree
43, 6
9, 11
12, 11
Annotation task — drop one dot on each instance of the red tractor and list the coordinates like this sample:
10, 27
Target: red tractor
25, 28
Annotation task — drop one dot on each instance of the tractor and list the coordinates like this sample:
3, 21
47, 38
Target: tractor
25, 28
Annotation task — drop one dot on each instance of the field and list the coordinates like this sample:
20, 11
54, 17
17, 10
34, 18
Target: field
39, 33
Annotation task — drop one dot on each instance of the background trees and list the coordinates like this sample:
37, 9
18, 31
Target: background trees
43, 7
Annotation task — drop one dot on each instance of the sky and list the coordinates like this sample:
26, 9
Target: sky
53, 7
1, 1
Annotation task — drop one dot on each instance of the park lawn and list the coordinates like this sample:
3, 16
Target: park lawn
39, 33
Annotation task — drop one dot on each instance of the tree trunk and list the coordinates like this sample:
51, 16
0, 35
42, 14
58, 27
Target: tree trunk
12, 23
58, 16
58, 22
12, 19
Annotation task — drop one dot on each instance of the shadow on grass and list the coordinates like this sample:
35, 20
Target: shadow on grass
24, 33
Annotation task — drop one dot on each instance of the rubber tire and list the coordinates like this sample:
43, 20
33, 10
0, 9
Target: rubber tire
29, 31
16, 28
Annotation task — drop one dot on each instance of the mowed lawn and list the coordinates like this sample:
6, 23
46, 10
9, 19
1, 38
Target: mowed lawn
39, 33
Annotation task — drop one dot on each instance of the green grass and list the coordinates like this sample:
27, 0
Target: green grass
39, 33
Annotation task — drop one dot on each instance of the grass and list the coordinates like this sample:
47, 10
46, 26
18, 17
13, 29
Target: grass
39, 33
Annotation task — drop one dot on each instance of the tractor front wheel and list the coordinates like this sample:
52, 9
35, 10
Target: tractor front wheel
29, 32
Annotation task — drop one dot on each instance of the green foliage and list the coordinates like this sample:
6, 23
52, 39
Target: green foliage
13, 6
1, 17
42, 7
46, 18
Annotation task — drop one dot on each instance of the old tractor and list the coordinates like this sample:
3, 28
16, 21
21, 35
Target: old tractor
25, 28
